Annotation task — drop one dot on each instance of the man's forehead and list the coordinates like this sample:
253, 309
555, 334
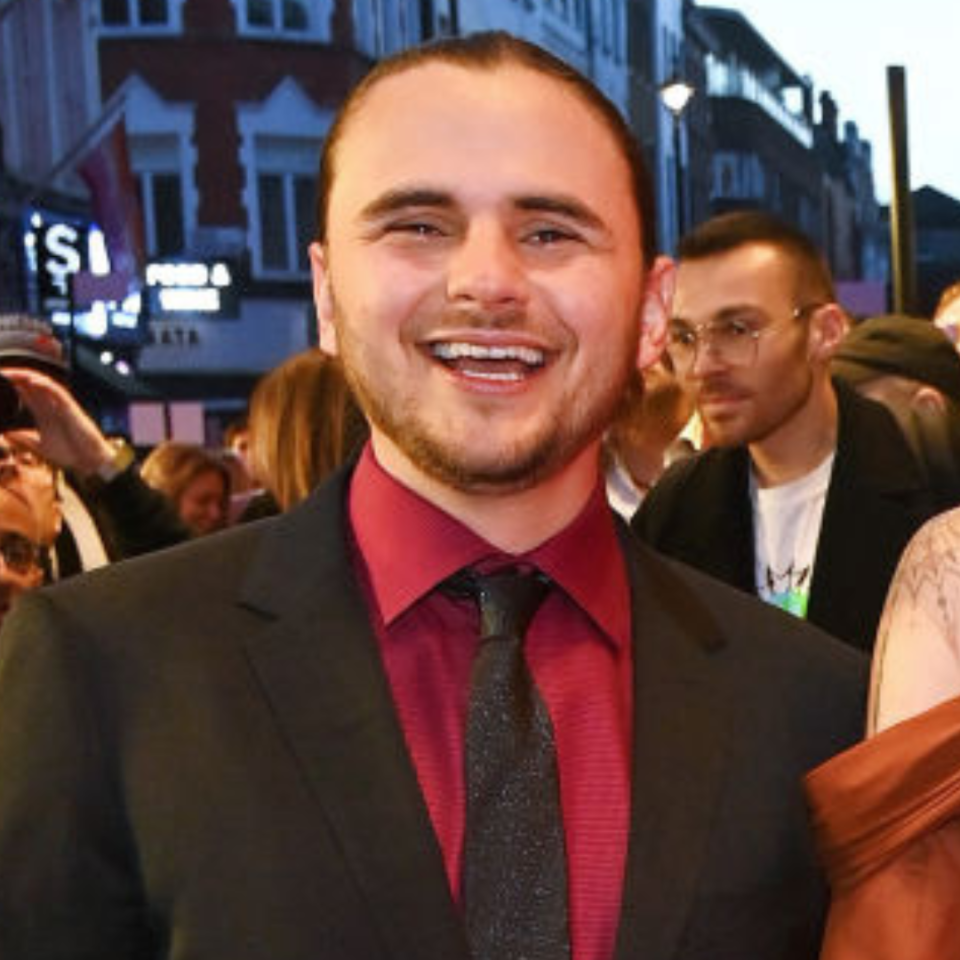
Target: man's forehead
748, 276
449, 79
458, 93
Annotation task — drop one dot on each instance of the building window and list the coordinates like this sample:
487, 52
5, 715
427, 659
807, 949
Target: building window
572, 12
286, 221
384, 27
136, 13
291, 17
167, 203
278, 15
156, 161
285, 216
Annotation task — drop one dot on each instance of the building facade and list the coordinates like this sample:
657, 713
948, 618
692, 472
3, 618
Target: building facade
226, 103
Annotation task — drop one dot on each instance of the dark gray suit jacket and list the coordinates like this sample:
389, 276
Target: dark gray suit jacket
700, 512
200, 760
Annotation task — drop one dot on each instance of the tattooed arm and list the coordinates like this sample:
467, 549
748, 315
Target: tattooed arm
916, 663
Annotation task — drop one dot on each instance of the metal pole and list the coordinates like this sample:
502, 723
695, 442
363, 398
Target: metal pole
678, 176
902, 256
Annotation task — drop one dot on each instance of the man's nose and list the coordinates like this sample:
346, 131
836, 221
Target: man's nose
707, 358
487, 269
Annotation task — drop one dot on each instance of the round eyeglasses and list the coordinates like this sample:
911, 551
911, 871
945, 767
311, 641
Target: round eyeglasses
732, 341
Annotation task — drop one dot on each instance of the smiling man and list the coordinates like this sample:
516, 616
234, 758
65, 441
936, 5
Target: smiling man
320, 736
810, 493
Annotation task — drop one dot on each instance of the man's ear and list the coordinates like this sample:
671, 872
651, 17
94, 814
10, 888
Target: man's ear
928, 400
828, 326
655, 311
323, 299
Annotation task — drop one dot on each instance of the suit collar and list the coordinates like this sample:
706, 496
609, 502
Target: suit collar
319, 667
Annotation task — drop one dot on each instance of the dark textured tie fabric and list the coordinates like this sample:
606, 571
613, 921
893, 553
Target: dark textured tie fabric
514, 863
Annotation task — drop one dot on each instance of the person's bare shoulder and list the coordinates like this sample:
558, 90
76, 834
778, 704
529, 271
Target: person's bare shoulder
917, 655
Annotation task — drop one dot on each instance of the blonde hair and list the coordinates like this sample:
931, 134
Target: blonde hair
304, 423
172, 466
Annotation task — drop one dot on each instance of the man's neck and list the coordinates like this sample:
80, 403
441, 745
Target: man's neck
515, 521
801, 444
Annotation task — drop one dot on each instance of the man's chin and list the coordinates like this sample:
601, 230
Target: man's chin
511, 470
724, 431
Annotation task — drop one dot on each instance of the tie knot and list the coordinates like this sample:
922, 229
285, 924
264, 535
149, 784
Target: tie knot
507, 599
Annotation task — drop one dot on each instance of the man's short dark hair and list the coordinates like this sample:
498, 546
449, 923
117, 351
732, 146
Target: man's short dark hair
487, 51
730, 231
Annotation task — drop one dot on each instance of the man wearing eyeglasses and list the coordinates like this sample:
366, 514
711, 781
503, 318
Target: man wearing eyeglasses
809, 493
29, 479
21, 566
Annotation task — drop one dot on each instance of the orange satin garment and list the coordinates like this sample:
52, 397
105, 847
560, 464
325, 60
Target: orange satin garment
887, 818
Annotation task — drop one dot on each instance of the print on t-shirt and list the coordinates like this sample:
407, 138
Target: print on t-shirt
786, 522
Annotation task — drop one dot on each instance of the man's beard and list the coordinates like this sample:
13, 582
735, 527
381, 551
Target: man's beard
462, 462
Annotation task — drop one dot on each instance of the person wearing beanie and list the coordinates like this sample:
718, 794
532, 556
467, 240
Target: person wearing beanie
910, 365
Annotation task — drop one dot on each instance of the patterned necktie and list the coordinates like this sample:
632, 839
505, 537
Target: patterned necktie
514, 862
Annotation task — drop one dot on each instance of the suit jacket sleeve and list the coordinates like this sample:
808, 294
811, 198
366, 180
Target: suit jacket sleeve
66, 874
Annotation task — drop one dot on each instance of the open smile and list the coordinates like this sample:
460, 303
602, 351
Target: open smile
498, 363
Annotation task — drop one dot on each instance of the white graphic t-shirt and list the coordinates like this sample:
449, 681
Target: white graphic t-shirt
786, 523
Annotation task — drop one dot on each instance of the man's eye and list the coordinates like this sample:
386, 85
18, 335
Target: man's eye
735, 330
548, 236
415, 228
682, 336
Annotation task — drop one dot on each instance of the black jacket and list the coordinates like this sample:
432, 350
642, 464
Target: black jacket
201, 756
700, 512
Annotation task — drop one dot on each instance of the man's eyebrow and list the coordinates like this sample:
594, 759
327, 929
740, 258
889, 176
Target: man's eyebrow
565, 206
730, 312
395, 200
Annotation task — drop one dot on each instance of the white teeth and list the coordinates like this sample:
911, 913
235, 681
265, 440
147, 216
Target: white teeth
458, 351
502, 377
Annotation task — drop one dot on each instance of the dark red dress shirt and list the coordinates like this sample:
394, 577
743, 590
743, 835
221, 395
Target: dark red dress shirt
578, 648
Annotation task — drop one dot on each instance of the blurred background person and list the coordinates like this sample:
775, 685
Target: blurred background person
947, 314
646, 436
235, 451
194, 480
21, 550
27, 478
887, 811
807, 492
910, 365
304, 424
92, 506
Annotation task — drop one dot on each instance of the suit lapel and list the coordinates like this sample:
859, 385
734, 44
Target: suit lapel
682, 723
320, 670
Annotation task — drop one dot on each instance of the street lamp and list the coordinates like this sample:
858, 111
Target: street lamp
675, 94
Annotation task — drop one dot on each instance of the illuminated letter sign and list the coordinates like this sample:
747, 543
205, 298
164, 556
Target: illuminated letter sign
60, 254
192, 288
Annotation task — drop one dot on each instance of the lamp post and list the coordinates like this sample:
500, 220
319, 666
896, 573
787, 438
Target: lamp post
675, 94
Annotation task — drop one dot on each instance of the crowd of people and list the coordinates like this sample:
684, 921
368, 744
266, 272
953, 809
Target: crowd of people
444, 702
73, 499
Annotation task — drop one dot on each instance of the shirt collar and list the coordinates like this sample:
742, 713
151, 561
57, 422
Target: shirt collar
408, 546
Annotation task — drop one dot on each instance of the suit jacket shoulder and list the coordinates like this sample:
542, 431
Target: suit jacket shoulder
212, 729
